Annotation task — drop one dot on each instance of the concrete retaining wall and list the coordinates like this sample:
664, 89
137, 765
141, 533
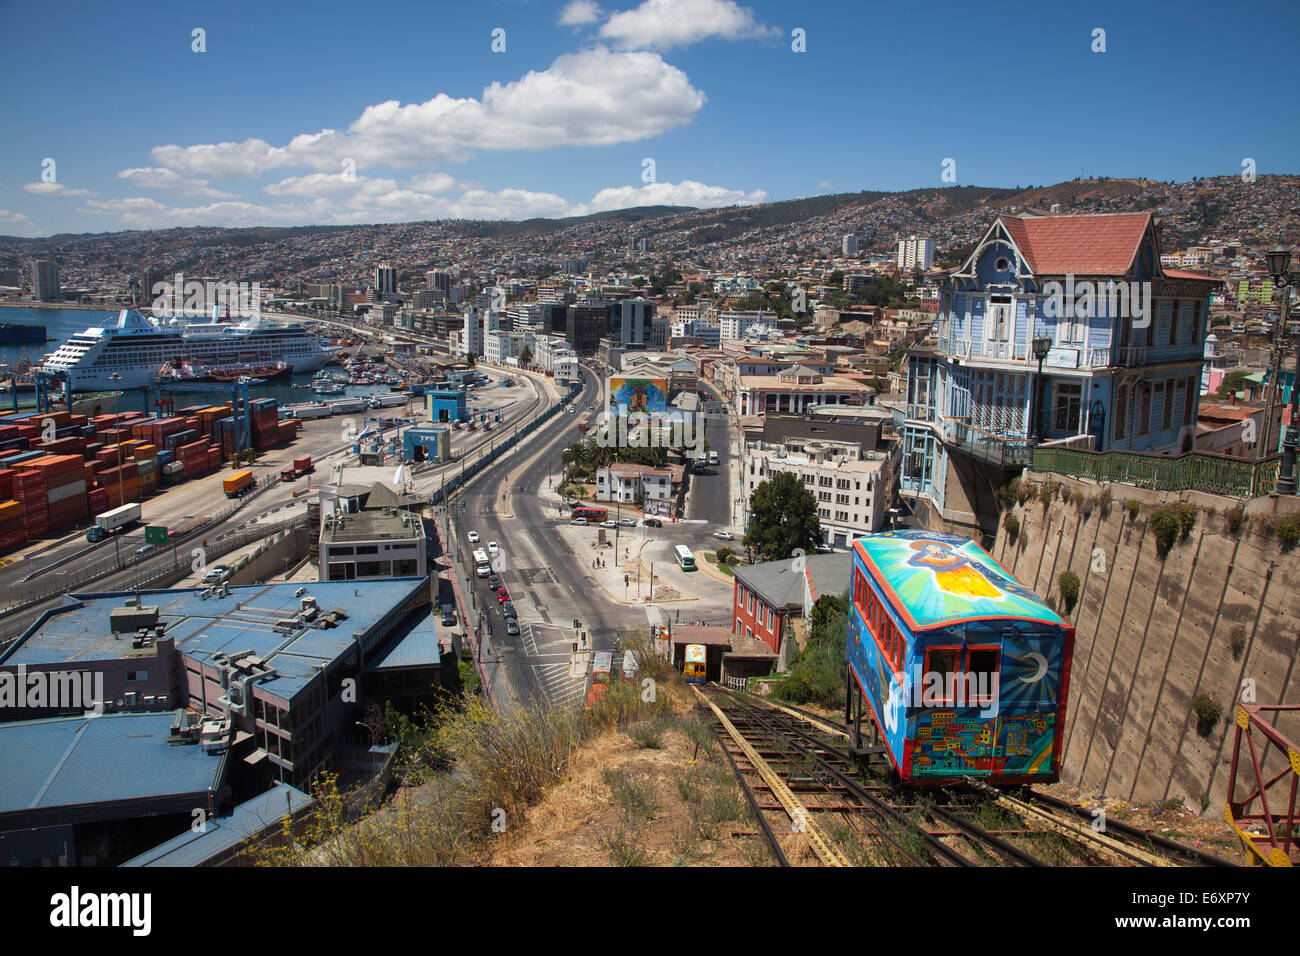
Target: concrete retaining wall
1153, 633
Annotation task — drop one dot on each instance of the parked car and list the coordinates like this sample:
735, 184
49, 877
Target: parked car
508, 609
473, 537
494, 581
512, 626
627, 522
824, 549
448, 615
493, 549
214, 574
722, 535
653, 523
609, 523
578, 521
503, 595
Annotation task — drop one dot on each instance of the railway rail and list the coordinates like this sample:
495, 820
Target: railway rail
817, 804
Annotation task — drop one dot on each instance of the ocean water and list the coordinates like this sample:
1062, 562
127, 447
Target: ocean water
62, 323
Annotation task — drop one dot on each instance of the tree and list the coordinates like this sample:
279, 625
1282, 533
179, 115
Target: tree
526, 356
471, 359
783, 517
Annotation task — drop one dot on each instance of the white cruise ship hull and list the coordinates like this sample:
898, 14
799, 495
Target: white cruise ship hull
136, 351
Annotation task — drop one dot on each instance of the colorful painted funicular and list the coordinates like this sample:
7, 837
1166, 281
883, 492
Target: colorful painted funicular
963, 671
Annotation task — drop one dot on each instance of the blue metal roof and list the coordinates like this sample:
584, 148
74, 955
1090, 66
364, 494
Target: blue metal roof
250, 818
243, 620
417, 648
71, 761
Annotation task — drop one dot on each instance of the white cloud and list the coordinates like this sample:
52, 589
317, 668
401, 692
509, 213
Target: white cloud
154, 177
385, 200
7, 216
825, 185
579, 12
669, 23
54, 189
686, 193
590, 98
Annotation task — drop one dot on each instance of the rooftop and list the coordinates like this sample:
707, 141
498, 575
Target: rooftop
777, 582
245, 619
939, 579
222, 834
66, 762
376, 525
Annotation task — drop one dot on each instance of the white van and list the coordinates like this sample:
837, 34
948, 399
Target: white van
482, 567
713, 457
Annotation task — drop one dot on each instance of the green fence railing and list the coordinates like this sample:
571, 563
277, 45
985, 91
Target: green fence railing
1195, 471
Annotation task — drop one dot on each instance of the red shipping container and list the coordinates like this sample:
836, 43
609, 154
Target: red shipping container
12, 539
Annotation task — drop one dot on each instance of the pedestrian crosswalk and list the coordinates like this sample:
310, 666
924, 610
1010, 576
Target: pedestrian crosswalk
554, 679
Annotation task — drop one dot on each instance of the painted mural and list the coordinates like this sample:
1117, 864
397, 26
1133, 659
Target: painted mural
937, 578
641, 396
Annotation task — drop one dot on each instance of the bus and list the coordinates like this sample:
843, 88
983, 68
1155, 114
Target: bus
591, 514
696, 664
482, 566
684, 557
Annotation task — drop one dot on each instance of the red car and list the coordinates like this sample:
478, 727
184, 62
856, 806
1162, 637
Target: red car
503, 595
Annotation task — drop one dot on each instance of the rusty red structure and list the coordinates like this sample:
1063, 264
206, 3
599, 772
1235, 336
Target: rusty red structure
1271, 830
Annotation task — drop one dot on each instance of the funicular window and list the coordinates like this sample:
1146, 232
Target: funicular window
981, 675
947, 681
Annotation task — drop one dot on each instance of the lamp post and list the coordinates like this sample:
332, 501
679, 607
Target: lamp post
1279, 260
1041, 346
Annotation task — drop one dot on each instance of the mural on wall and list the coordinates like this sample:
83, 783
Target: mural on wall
640, 396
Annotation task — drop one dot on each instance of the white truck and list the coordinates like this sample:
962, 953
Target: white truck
114, 520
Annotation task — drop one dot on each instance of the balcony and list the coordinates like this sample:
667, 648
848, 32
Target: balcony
1003, 451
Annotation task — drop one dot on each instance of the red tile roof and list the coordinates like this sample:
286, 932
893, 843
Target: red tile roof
1104, 244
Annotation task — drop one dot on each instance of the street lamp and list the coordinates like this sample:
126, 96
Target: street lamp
1279, 260
1041, 347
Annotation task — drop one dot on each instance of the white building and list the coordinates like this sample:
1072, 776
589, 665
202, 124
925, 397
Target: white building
914, 253
737, 325
850, 246
852, 490
630, 483
634, 320
711, 335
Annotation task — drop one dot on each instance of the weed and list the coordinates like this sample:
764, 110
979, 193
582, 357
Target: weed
1068, 582
1235, 517
1208, 711
624, 848
1133, 508
1288, 530
634, 800
1238, 639
1012, 524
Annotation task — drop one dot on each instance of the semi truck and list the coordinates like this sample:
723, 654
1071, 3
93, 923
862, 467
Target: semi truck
301, 466
241, 482
110, 522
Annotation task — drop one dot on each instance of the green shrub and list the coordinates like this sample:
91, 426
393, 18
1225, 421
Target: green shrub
1068, 582
1235, 517
1009, 493
1207, 711
648, 735
1238, 639
1024, 492
1288, 530
1012, 524
1133, 508
1047, 492
1171, 523
726, 555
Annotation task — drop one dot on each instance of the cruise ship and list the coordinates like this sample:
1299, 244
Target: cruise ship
137, 349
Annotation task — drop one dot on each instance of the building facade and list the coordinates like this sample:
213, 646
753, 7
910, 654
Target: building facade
1122, 373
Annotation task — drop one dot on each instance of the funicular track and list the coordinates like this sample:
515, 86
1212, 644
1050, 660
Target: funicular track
816, 803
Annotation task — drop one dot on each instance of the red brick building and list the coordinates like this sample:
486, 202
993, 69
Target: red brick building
766, 595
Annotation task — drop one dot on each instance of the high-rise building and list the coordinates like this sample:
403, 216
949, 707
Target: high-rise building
45, 281
914, 253
440, 280
386, 283
584, 327
850, 245
634, 321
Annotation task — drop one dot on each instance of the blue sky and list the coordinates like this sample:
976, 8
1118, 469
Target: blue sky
429, 122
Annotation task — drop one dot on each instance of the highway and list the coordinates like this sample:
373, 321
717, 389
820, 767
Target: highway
545, 564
